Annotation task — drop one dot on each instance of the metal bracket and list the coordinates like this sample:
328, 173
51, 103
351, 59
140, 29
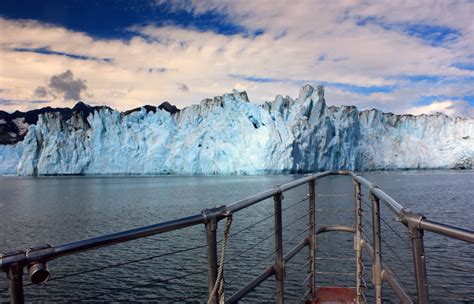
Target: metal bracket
410, 219
12, 258
213, 215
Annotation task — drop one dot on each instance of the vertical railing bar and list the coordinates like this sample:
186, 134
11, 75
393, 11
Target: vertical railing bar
419, 264
15, 284
312, 239
377, 261
211, 227
357, 239
279, 263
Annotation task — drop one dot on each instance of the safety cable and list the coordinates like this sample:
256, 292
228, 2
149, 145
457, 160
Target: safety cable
294, 204
264, 219
259, 241
296, 220
154, 281
250, 226
405, 242
121, 264
252, 266
399, 258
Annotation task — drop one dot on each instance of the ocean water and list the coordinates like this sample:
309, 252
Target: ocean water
171, 268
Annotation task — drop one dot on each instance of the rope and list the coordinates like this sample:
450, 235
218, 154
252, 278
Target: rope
219, 285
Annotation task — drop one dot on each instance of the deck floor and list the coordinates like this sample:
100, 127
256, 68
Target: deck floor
334, 295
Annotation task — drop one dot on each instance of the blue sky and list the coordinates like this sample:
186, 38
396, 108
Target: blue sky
393, 55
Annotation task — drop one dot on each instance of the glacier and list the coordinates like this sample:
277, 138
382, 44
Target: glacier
10, 157
230, 135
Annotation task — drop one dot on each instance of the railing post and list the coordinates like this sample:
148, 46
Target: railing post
357, 240
15, 284
211, 227
312, 239
377, 262
419, 260
279, 264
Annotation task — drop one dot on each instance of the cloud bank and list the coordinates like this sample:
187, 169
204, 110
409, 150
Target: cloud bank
398, 56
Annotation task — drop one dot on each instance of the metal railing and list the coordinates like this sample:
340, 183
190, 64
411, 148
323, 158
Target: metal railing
35, 259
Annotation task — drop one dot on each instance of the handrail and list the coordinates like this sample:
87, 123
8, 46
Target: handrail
36, 258
48, 253
447, 230
390, 202
249, 201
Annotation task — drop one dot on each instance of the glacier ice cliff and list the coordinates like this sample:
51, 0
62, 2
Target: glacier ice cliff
230, 135
9, 157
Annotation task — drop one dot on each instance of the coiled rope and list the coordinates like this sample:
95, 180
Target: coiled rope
219, 285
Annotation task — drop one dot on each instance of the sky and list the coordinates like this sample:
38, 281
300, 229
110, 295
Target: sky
395, 55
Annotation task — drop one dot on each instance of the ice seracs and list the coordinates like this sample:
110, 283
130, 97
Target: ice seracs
230, 135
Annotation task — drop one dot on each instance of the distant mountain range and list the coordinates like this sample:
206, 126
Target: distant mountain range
14, 126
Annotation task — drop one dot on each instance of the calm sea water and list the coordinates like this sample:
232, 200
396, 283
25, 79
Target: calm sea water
56, 210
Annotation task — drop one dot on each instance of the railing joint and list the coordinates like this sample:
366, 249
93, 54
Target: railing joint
12, 258
410, 219
213, 215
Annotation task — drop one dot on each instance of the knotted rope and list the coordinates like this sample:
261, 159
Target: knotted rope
219, 285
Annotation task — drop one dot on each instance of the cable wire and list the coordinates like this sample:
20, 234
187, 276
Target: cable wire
264, 219
250, 226
252, 266
122, 263
294, 204
399, 258
154, 281
296, 220
259, 241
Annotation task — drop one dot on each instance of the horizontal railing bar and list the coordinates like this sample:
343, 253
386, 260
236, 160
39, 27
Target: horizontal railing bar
335, 209
335, 273
323, 286
107, 240
249, 201
337, 228
119, 264
390, 202
335, 195
250, 286
396, 287
335, 258
295, 250
128, 235
266, 273
448, 230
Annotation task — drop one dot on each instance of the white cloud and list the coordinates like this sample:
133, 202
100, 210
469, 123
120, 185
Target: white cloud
449, 107
297, 34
